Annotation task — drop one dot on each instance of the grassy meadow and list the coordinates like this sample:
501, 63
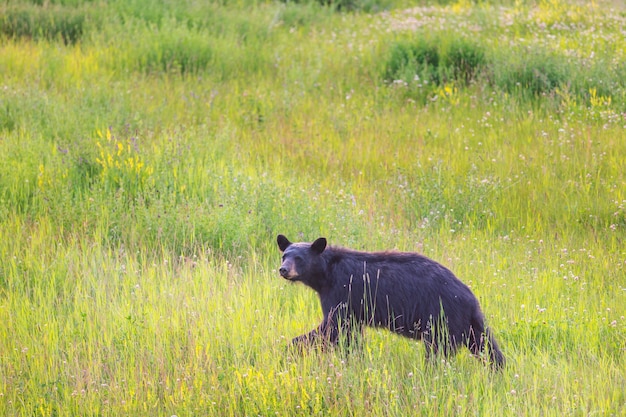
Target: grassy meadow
151, 151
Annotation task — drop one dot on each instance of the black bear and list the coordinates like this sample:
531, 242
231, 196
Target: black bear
406, 293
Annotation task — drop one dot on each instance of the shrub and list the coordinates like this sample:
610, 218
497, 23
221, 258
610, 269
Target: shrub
465, 59
7, 119
410, 60
434, 60
51, 23
348, 5
182, 55
534, 74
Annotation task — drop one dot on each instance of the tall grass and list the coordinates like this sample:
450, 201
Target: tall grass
146, 168
66, 24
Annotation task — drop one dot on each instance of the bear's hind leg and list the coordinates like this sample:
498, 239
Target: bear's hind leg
481, 339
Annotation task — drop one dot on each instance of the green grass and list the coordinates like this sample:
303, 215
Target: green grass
148, 161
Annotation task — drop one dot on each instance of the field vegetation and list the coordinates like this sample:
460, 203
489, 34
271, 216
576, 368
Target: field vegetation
151, 151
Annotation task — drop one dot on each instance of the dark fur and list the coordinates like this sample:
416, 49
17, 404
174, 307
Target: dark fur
407, 293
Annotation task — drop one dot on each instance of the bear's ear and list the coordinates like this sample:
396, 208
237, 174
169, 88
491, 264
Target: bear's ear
319, 245
283, 242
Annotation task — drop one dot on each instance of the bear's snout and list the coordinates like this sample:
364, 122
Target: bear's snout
288, 271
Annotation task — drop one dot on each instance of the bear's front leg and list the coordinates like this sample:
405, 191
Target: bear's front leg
322, 336
306, 339
337, 327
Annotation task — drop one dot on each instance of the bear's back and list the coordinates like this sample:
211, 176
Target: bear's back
407, 286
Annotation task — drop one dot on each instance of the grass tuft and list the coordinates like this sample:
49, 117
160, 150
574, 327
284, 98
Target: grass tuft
534, 74
67, 24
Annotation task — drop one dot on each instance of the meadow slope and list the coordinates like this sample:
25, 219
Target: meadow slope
151, 151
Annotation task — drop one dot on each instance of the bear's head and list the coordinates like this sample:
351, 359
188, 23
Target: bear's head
301, 261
